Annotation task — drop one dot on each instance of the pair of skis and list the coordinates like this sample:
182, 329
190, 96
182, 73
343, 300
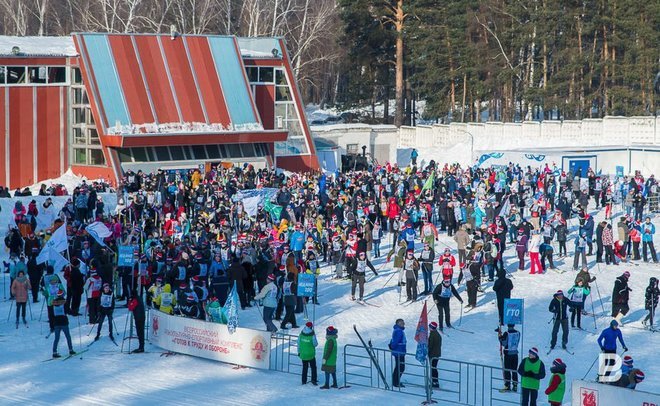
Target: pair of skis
372, 356
67, 357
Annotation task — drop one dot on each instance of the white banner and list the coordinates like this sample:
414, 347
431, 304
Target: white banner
586, 393
247, 347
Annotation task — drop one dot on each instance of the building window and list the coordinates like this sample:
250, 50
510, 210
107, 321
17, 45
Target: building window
33, 75
38, 74
84, 138
352, 149
260, 75
15, 74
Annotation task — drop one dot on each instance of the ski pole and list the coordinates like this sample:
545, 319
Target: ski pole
79, 336
593, 312
9, 314
599, 297
43, 303
30, 307
389, 279
592, 365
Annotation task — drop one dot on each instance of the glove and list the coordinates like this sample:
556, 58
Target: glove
529, 374
602, 349
625, 349
461, 302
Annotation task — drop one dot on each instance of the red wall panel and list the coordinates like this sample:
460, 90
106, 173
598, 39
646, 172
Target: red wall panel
48, 132
131, 79
21, 136
184, 83
209, 83
156, 76
3, 136
265, 99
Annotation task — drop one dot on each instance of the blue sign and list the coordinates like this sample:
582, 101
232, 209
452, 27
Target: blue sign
125, 256
619, 171
306, 282
514, 311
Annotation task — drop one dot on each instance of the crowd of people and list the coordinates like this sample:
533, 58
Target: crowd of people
194, 240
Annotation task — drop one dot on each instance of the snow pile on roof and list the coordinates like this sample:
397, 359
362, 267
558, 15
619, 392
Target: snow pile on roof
177, 128
38, 46
68, 179
261, 47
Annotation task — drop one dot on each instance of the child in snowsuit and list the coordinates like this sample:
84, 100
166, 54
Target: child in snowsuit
329, 363
557, 386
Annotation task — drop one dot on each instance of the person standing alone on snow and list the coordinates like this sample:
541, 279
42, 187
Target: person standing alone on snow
558, 307
532, 371
106, 308
441, 296
307, 351
61, 324
398, 347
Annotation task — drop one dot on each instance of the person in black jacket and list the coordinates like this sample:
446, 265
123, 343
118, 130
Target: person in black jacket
651, 301
237, 274
441, 295
502, 288
76, 285
559, 307
509, 341
60, 323
620, 296
106, 308
35, 272
136, 306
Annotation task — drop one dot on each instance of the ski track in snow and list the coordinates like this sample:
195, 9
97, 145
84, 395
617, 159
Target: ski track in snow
106, 377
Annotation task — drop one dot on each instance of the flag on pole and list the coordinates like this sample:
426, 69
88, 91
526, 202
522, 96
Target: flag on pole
422, 336
274, 210
57, 261
428, 185
505, 210
98, 231
56, 244
231, 308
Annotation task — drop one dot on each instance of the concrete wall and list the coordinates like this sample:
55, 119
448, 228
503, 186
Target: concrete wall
386, 137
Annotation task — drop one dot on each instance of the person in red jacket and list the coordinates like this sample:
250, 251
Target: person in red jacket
447, 262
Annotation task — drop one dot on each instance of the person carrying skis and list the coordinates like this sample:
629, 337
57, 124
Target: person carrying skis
557, 386
650, 302
106, 308
441, 295
558, 307
509, 341
532, 371
359, 273
577, 295
411, 269
434, 352
608, 337
329, 363
307, 352
398, 347
61, 323
269, 294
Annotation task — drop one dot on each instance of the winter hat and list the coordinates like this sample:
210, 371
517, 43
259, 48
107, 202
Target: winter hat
271, 277
639, 376
534, 351
331, 331
190, 297
558, 363
106, 285
626, 274
60, 293
433, 325
614, 323
559, 292
628, 361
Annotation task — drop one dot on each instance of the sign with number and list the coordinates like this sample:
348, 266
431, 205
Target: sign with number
514, 311
619, 171
306, 283
125, 257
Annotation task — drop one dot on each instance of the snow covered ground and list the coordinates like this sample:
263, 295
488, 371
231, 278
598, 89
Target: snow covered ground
106, 376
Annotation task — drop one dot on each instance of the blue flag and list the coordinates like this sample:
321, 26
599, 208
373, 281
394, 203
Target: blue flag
231, 309
422, 336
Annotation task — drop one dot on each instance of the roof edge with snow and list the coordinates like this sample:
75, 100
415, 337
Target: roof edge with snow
37, 46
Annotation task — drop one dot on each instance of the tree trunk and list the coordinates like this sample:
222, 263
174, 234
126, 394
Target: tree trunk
464, 97
398, 18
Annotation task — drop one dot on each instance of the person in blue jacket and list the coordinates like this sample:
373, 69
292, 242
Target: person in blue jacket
588, 230
398, 347
648, 230
608, 337
408, 235
297, 242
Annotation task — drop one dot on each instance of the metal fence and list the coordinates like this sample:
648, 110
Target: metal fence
284, 354
460, 383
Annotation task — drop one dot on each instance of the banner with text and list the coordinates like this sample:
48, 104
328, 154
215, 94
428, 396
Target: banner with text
586, 393
213, 341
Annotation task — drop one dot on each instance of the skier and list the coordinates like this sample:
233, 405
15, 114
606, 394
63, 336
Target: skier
620, 297
399, 253
61, 323
434, 352
557, 386
509, 341
447, 262
650, 302
106, 308
270, 295
359, 273
93, 287
307, 351
608, 337
521, 248
136, 306
580, 250
577, 295
585, 276
558, 307
166, 301
473, 276
20, 288
398, 347
534, 256
329, 364
532, 370
426, 258
441, 295
648, 230
411, 269
502, 288
289, 300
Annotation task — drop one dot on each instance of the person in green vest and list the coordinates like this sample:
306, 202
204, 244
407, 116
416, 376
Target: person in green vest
307, 351
532, 370
557, 386
329, 364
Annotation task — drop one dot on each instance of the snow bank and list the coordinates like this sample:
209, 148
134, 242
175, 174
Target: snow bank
51, 46
68, 179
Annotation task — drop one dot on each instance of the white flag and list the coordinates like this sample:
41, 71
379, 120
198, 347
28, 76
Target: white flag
56, 244
57, 261
98, 231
